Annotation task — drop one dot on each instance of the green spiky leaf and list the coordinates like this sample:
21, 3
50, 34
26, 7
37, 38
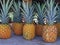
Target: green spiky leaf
51, 11
41, 11
6, 5
28, 12
17, 12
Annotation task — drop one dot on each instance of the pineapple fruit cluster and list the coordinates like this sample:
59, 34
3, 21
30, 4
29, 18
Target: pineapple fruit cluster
23, 22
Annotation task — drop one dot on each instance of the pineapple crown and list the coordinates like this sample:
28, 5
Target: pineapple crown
40, 10
51, 10
6, 5
28, 11
17, 12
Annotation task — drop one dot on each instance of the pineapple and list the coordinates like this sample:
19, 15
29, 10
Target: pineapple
5, 30
40, 11
28, 28
50, 30
17, 24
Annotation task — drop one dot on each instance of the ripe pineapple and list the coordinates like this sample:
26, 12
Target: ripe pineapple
17, 24
50, 30
5, 30
40, 11
28, 28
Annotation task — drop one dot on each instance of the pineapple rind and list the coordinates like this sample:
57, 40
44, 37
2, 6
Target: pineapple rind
49, 33
5, 31
29, 31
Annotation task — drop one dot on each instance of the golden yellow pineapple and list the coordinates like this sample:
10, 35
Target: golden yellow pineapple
29, 31
5, 30
17, 24
28, 28
50, 29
